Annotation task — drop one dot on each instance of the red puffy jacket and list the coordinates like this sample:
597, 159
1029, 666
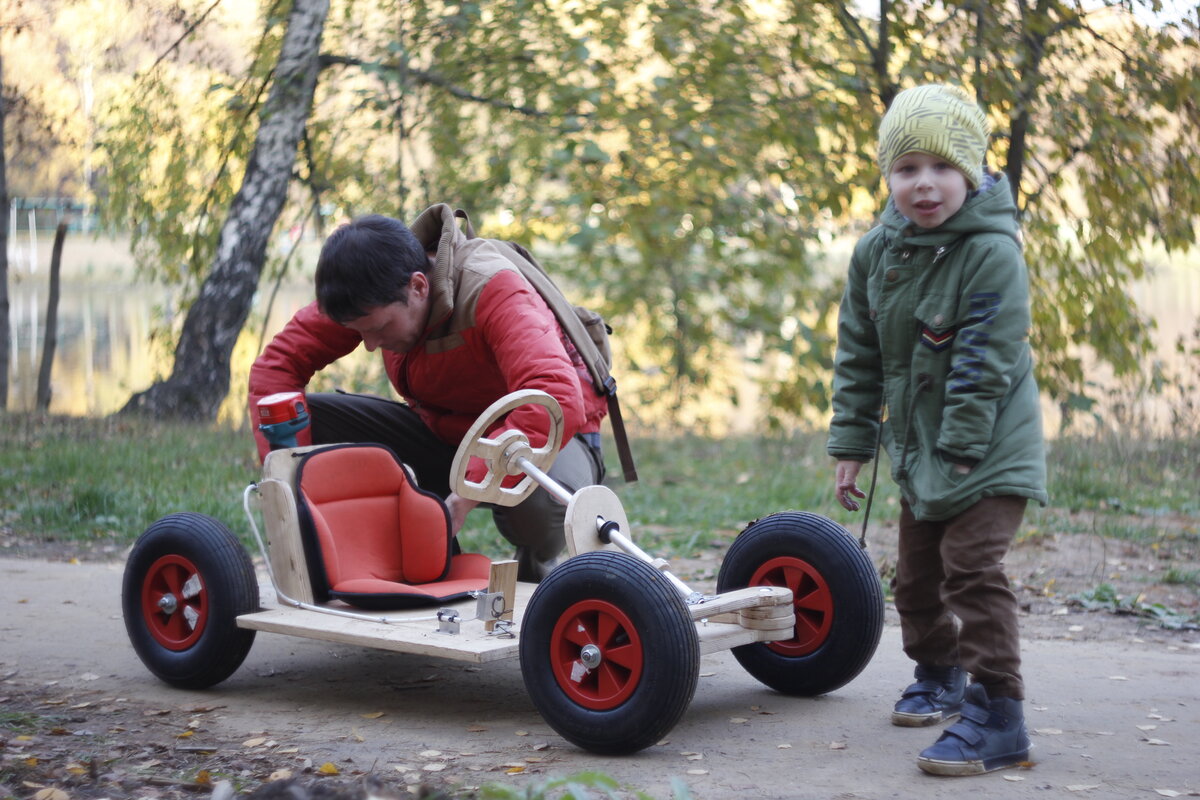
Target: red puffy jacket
489, 333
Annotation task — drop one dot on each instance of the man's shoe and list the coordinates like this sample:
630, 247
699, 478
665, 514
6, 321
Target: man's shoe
936, 696
990, 735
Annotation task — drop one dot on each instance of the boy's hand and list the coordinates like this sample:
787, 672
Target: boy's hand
846, 487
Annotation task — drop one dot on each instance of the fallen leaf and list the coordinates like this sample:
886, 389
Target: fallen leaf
1117, 678
1083, 787
328, 768
1157, 742
185, 735
1146, 727
1013, 778
1048, 731
204, 778
783, 747
520, 733
697, 772
476, 729
1168, 792
50, 794
514, 770
837, 745
738, 720
435, 767
373, 715
279, 775
89, 676
430, 753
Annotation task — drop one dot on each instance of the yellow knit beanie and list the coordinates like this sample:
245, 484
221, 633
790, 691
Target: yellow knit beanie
938, 119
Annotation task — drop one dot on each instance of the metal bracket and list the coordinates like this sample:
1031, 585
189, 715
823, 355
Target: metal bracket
489, 605
448, 621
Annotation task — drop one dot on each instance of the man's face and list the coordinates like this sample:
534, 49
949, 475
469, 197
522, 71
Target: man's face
396, 326
927, 189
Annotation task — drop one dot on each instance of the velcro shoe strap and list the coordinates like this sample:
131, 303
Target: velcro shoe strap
931, 688
969, 732
976, 714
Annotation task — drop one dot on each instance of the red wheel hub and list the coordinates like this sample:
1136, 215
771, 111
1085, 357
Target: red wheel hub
174, 602
811, 599
596, 654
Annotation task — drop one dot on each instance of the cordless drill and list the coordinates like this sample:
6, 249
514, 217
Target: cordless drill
280, 417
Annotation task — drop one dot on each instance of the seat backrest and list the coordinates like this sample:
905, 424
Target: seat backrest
361, 516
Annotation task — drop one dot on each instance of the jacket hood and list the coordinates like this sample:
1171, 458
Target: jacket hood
990, 210
438, 231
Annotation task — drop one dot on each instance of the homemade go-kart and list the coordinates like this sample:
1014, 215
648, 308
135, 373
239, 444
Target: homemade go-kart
609, 642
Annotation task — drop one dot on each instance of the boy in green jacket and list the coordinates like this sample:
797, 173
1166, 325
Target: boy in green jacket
934, 327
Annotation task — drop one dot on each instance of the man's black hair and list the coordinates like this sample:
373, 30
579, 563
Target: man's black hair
365, 264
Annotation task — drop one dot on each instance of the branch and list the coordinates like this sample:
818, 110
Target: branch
432, 79
188, 31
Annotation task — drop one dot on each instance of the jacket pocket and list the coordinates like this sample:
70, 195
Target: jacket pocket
937, 323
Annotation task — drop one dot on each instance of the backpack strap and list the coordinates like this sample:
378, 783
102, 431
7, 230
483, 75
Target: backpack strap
602, 380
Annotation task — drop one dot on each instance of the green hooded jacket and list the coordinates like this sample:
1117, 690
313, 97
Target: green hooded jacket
934, 327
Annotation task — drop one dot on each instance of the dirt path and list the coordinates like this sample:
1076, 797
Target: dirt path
1113, 715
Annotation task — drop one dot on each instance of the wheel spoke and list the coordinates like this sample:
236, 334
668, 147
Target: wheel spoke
610, 679
580, 631
627, 656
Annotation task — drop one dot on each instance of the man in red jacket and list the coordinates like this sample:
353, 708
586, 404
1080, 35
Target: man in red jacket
458, 327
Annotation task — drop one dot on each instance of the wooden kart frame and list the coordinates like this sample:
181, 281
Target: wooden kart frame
609, 642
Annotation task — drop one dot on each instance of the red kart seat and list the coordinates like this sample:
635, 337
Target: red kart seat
372, 538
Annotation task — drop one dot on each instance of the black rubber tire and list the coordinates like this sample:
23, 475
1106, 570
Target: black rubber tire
650, 654
838, 599
194, 566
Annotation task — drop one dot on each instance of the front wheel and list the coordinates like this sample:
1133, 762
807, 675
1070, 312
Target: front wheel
186, 582
836, 594
609, 652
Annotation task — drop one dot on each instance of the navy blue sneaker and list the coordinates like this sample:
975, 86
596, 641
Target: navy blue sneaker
990, 735
935, 697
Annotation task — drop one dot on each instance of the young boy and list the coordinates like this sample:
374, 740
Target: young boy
934, 328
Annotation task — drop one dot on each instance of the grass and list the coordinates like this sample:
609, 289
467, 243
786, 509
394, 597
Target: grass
103, 481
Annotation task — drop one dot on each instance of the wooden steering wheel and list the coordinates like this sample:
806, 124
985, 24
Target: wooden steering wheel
502, 453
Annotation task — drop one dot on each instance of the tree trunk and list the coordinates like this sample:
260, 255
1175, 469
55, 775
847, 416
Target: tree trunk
50, 339
4, 342
200, 378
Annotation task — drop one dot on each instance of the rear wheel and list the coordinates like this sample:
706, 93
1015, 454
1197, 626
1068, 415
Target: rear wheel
836, 595
186, 582
609, 653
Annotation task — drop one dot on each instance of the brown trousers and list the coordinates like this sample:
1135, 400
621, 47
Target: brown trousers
952, 570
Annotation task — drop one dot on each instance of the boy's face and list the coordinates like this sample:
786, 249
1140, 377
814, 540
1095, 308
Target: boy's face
396, 326
926, 188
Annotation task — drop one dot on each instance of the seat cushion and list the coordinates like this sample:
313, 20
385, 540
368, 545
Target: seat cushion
372, 537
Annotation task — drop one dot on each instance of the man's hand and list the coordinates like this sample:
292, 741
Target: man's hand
459, 507
846, 486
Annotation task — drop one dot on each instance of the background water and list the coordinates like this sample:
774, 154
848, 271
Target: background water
109, 345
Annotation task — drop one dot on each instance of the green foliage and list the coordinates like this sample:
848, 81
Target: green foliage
101, 482
1105, 598
688, 165
581, 786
